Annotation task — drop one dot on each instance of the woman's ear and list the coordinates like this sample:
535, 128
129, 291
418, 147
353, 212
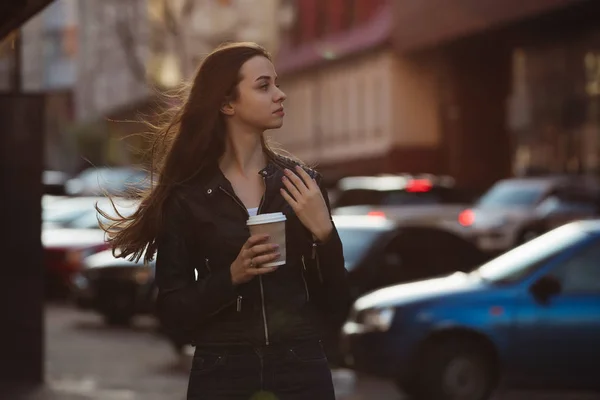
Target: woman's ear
227, 109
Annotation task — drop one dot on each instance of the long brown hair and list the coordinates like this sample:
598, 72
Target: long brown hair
190, 141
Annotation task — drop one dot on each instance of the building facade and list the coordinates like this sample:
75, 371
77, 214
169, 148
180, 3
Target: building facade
377, 86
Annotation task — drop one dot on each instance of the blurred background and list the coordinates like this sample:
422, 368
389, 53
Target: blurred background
459, 140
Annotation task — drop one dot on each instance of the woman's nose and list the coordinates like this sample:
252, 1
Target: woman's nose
280, 96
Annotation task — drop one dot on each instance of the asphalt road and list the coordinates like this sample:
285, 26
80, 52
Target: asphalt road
87, 360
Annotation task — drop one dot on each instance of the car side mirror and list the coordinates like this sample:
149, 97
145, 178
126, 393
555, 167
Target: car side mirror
545, 287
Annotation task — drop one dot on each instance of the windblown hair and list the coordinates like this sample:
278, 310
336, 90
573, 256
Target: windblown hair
191, 140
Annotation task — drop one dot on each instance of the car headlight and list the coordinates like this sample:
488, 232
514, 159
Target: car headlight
378, 319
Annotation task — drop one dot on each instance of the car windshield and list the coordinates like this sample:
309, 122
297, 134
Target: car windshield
357, 197
357, 241
512, 194
518, 263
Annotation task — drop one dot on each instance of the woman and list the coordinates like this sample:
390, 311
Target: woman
257, 330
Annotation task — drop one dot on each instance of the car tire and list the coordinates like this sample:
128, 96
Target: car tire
454, 369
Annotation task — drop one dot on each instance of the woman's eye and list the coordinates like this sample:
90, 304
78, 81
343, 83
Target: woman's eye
264, 87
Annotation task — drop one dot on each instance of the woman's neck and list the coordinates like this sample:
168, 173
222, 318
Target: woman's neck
244, 153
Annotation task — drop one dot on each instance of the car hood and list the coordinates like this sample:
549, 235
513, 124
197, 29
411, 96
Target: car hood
105, 259
493, 216
456, 283
55, 238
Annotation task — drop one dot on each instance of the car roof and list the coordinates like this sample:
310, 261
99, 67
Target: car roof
549, 180
391, 182
589, 225
363, 221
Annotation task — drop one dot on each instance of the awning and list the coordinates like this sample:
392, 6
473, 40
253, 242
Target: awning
14, 13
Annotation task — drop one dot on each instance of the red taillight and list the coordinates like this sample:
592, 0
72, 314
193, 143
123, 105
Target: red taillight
466, 218
380, 214
419, 186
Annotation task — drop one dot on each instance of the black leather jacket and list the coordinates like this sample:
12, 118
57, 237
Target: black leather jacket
204, 229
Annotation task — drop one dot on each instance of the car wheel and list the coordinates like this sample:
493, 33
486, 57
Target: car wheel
454, 369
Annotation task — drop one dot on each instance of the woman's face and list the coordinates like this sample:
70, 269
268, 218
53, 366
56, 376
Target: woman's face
260, 102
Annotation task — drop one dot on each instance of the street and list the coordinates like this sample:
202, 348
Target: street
87, 360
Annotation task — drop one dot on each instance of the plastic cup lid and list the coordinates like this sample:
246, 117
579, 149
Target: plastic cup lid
266, 218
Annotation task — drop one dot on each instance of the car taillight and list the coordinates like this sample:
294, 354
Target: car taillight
466, 218
379, 214
419, 186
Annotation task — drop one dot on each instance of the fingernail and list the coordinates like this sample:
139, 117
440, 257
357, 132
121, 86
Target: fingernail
287, 171
284, 178
275, 246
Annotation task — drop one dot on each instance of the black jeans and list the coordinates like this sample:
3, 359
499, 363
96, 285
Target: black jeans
296, 371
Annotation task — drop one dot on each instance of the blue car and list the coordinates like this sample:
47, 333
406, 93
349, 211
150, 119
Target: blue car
529, 318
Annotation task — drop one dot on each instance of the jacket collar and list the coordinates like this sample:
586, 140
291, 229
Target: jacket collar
216, 178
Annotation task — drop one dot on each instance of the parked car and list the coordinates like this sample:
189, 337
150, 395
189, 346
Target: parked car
423, 201
560, 209
66, 245
529, 318
498, 220
116, 288
380, 252
99, 181
60, 211
403, 189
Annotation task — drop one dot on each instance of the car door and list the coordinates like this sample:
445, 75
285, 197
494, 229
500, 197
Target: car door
560, 338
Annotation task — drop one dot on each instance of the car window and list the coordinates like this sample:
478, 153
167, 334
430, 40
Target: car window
521, 261
581, 273
356, 242
402, 197
418, 253
512, 194
356, 197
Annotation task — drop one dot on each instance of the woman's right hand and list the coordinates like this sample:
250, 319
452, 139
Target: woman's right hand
253, 254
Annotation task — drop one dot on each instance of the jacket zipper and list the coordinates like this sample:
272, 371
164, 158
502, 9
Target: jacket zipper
260, 280
262, 290
304, 279
239, 304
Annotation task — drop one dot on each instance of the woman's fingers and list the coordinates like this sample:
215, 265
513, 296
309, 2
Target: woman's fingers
254, 240
299, 183
288, 198
264, 248
292, 189
265, 258
308, 181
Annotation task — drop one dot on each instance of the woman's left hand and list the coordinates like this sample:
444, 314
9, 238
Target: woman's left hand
305, 197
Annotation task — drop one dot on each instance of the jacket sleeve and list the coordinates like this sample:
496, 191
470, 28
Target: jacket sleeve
330, 280
184, 302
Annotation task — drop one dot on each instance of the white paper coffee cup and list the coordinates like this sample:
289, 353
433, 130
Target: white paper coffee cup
272, 224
